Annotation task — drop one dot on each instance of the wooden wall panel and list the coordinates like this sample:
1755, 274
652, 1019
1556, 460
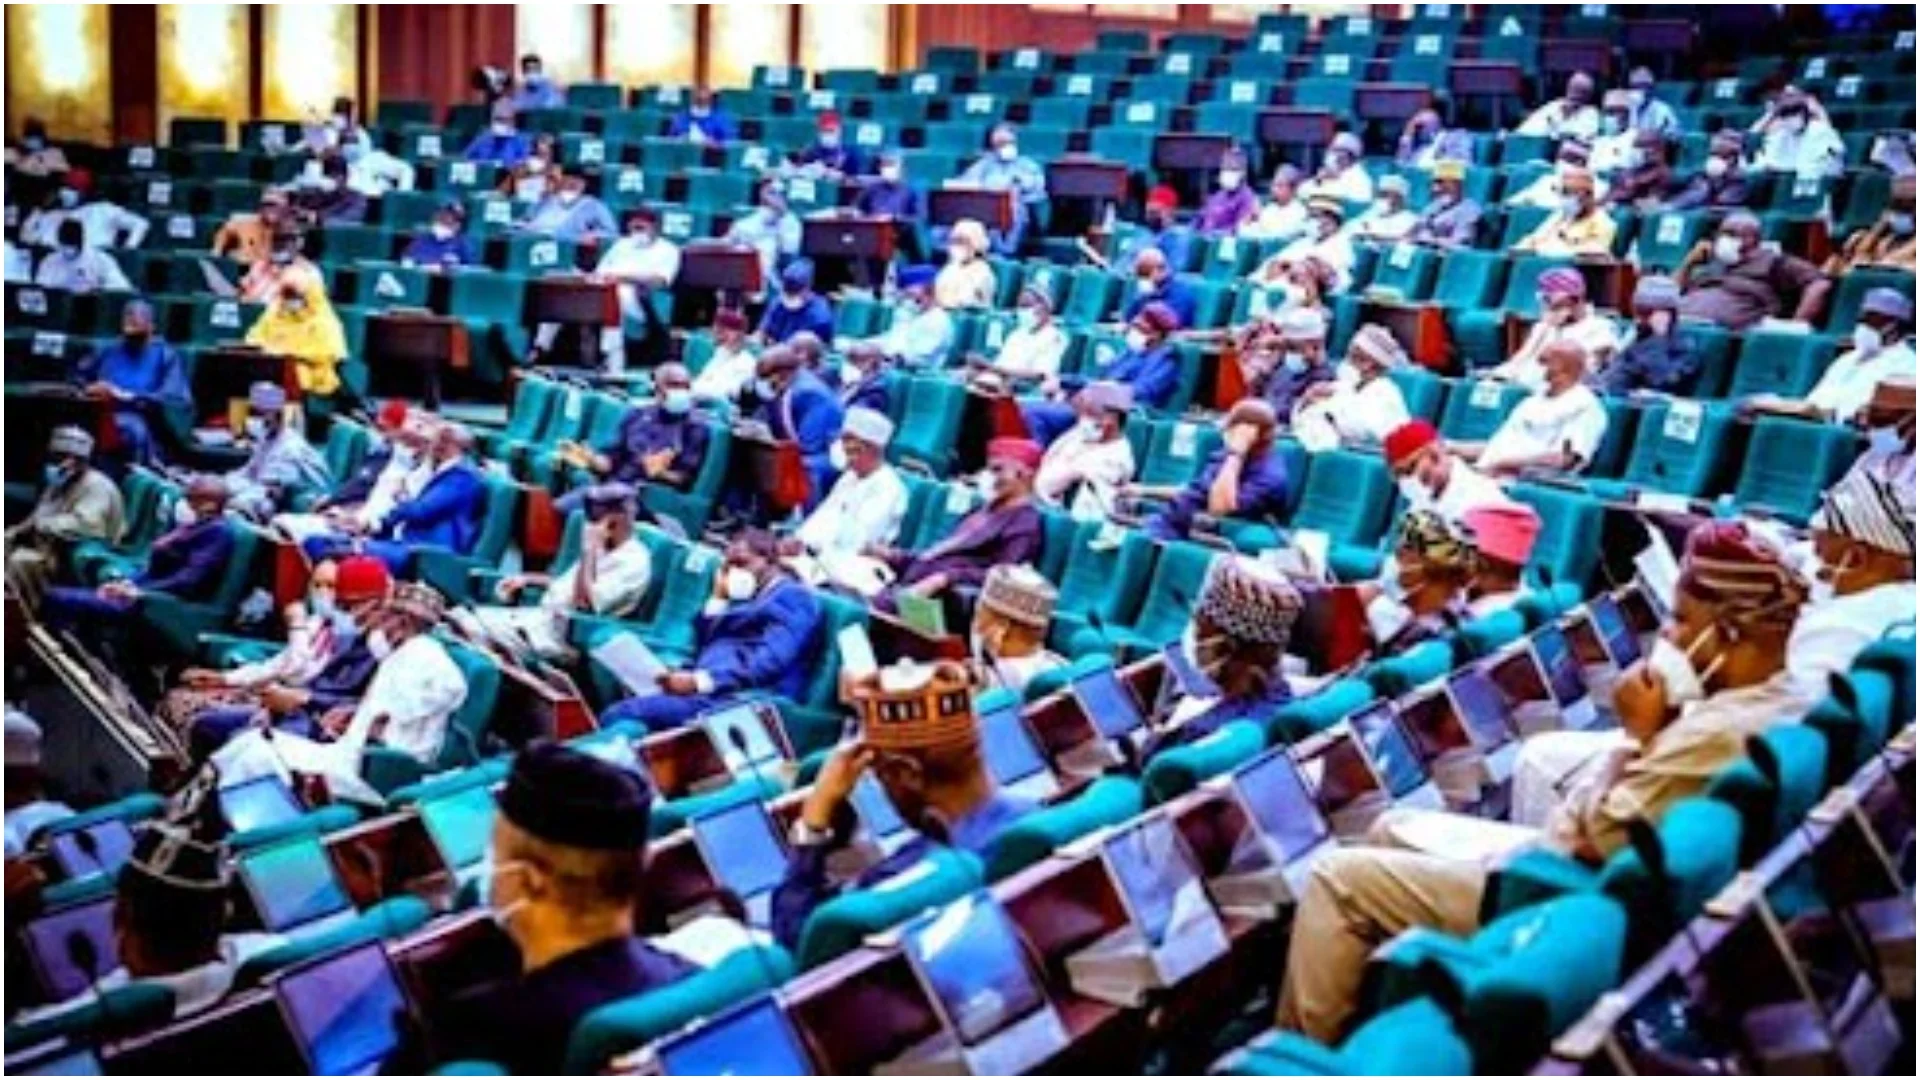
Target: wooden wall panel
427, 51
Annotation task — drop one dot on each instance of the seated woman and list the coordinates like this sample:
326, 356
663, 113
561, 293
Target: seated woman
967, 280
284, 263
300, 323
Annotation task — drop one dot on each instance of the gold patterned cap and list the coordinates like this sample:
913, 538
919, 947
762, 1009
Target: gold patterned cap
914, 706
1019, 594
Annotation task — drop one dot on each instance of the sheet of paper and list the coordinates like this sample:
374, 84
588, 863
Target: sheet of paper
856, 651
635, 665
925, 615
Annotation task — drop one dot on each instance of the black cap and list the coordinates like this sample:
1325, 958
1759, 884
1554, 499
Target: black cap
168, 857
566, 797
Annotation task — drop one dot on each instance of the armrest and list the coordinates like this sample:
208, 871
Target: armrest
178, 622
1534, 877
1283, 1053
1421, 962
387, 770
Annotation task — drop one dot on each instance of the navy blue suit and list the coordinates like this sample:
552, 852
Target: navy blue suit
810, 414
446, 514
186, 563
1176, 294
870, 392
766, 644
781, 322
1153, 374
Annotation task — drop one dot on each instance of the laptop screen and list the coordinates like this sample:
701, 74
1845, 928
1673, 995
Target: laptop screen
742, 848
1011, 753
52, 942
755, 1039
1481, 707
1389, 750
1152, 867
101, 848
753, 735
1190, 680
292, 884
974, 960
1107, 703
258, 803
344, 1011
1614, 632
875, 809
1273, 790
1555, 653
461, 825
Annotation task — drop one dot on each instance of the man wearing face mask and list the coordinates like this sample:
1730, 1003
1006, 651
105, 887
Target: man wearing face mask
759, 634
1613, 147
1033, 349
1326, 241
1284, 216
830, 156
103, 224
1797, 137
1232, 204
281, 462
1004, 168
536, 90
247, 236
77, 502
608, 578
1421, 593
1450, 220
921, 333
862, 379
1734, 282
1426, 141
1241, 624
1431, 478
1302, 360
1557, 428
1162, 231
300, 324
1342, 176
1660, 358
568, 213
1010, 626
1149, 368
798, 407
640, 262
443, 511
703, 120
73, 266
1388, 219
1361, 404
1862, 579
503, 143
1004, 528
141, 375
797, 307
772, 229
889, 194
388, 473
1647, 112
1645, 179
1548, 190
663, 443
443, 244
1156, 283
1888, 242
967, 279
864, 510
920, 738
731, 366
1245, 479
1721, 183
566, 881
1571, 115
325, 195
1881, 350
1565, 316
1084, 470
1579, 227
1718, 679
33, 155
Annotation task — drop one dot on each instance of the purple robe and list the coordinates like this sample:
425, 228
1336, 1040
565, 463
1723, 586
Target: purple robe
984, 539
1225, 210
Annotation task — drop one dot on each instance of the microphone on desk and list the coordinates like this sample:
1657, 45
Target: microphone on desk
84, 955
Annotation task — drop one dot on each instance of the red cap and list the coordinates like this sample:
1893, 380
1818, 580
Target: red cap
392, 416
1407, 440
828, 120
79, 179
1023, 452
729, 319
1504, 532
1163, 198
360, 578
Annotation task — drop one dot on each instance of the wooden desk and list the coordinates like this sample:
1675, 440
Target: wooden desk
990, 207
1421, 329
860, 1011
1291, 125
1189, 151
769, 468
388, 856
682, 762
224, 375
1388, 102
1060, 906
409, 351
1079, 176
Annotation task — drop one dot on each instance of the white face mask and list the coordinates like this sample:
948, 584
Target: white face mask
502, 915
1570, 205
1007, 151
741, 584
1886, 440
837, 456
184, 514
503, 131
1027, 317
890, 173
1090, 429
987, 484
1716, 167
1230, 179
443, 233
1866, 340
1412, 490
959, 253
379, 644
1136, 338
1674, 668
256, 428
1726, 249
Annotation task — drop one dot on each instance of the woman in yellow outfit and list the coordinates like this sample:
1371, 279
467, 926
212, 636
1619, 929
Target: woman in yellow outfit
299, 322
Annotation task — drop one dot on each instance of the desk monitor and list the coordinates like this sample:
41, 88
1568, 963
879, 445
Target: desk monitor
1623, 647
64, 1059
754, 1038
1012, 755
344, 1010
1108, 703
52, 943
1480, 707
1152, 866
972, 960
460, 825
292, 884
1277, 799
100, 848
1388, 748
1337, 770
258, 803
742, 850
753, 747
1190, 680
1558, 666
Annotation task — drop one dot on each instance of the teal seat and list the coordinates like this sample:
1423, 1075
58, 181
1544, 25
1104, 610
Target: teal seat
1783, 775
1175, 771
384, 921
1477, 335
1475, 409
318, 822
839, 926
1102, 581
124, 1010
617, 1027
1107, 801
1676, 450
1666, 237
1416, 1038
1347, 495
1307, 716
1177, 580
1177, 452
1405, 272
451, 572
1568, 547
671, 815
1790, 462
1854, 286
1488, 634
931, 424
1784, 363
1422, 389
1398, 674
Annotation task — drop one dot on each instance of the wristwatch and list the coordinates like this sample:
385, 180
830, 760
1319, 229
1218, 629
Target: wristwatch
803, 835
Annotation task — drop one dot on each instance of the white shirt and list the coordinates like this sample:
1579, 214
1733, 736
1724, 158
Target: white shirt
19, 263
1467, 489
1351, 184
92, 270
1847, 385
1543, 424
1032, 354
1594, 332
1612, 152
101, 224
1336, 251
619, 584
1380, 224
918, 341
394, 483
857, 512
1548, 120
1828, 635
1098, 467
1816, 151
727, 371
417, 688
1277, 222
1545, 192
628, 258
376, 172
1353, 413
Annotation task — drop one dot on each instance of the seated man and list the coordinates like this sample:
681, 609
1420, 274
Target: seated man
862, 379
1301, 363
326, 196
1156, 283
1680, 727
1660, 358
797, 308
1430, 477
1580, 226
567, 884
1004, 168
1245, 479
1421, 592
609, 577
1284, 217
966, 279
103, 222
1342, 174
281, 462
1010, 626
1241, 624
921, 739
1735, 282
444, 244
730, 368
77, 503
760, 634
1388, 220
186, 561
1721, 183
142, 375
1796, 136
1160, 230
1647, 179
503, 143
359, 502
1034, 347
536, 89
638, 263
1230, 206
1613, 146
798, 408
1566, 316
1648, 112
1084, 470
864, 510
1548, 190
569, 214
28, 810
1362, 404
1888, 241
77, 268
444, 511
1324, 240
921, 333
772, 229
662, 443
1004, 528
703, 120
1881, 350
1557, 428
1426, 142
829, 155
1149, 368
247, 236
1862, 585
1571, 115
1503, 537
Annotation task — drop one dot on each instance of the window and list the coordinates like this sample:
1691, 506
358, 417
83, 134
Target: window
650, 44
1168, 12
562, 34
743, 36
1240, 14
204, 61
310, 56
57, 69
844, 36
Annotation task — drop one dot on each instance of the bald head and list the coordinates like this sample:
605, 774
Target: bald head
1150, 264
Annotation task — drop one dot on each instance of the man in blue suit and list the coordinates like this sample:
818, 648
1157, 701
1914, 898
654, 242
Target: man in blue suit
446, 512
1159, 285
1149, 367
798, 407
760, 632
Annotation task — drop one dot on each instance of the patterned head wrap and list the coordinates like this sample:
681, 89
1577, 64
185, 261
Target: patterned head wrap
1250, 601
1735, 571
1869, 509
1434, 540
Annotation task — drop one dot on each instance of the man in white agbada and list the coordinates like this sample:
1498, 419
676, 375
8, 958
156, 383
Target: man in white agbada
1362, 404
1717, 677
414, 693
1557, 429
1085, 468
282, 461
1565, 315
1342, 175
731, 366
637, 263
1388, 220
609, 577
406, 472
863, 510
1881, 350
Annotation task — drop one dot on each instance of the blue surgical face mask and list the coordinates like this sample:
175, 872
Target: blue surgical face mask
677, 401
58, 474
1886, 440
69, 198
1901, 224
1294, 363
